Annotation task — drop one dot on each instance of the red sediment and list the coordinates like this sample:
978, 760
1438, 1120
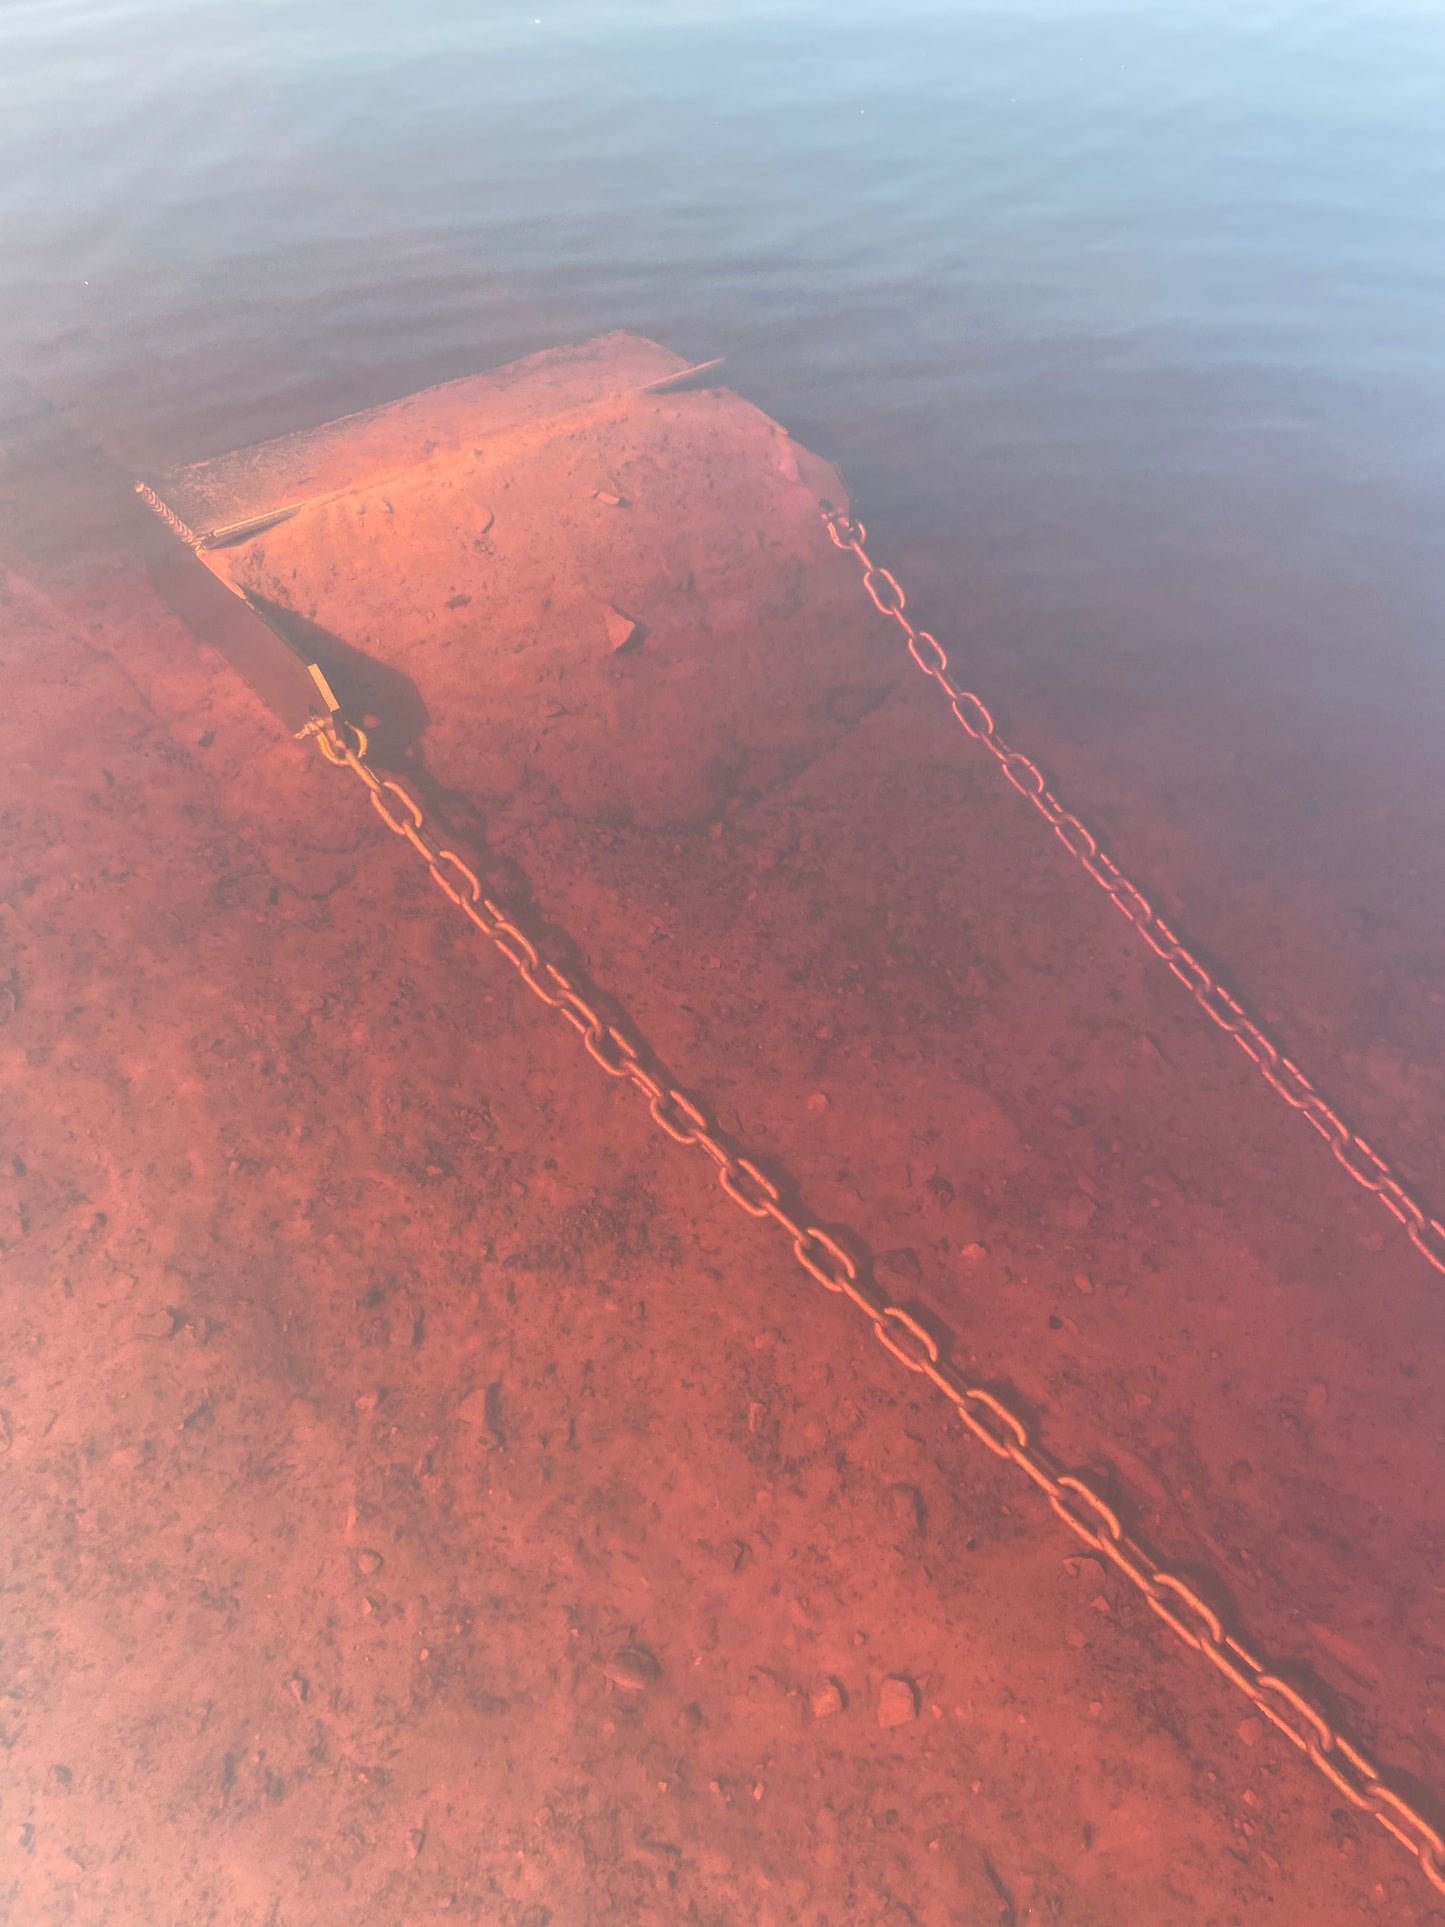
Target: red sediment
428, 1497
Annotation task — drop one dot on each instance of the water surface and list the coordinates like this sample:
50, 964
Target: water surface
1123, 320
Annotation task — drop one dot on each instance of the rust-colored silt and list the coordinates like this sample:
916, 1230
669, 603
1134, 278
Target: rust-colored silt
598, 596
912, 1338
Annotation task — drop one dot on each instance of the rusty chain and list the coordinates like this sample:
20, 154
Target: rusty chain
168, 515
990, 1418
1282, 1074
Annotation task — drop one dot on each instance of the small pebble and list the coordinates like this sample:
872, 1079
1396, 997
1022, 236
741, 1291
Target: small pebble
897, 1701
632, 1668
1251, 1731
818, 1102
1090, 1574
1078, 1211
974, 1252
902, 1264
826, 1700
621, 629
367, 1561
905, 1502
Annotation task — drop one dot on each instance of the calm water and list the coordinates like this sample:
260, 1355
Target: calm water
1125, 321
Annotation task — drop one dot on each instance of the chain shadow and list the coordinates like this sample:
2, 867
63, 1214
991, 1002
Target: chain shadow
382, 698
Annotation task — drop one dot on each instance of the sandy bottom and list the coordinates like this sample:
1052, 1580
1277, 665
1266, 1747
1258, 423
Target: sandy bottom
427, 1498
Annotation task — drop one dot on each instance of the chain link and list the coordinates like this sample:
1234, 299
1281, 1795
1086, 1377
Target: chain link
168, 515
1350, 1150
985, 1413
